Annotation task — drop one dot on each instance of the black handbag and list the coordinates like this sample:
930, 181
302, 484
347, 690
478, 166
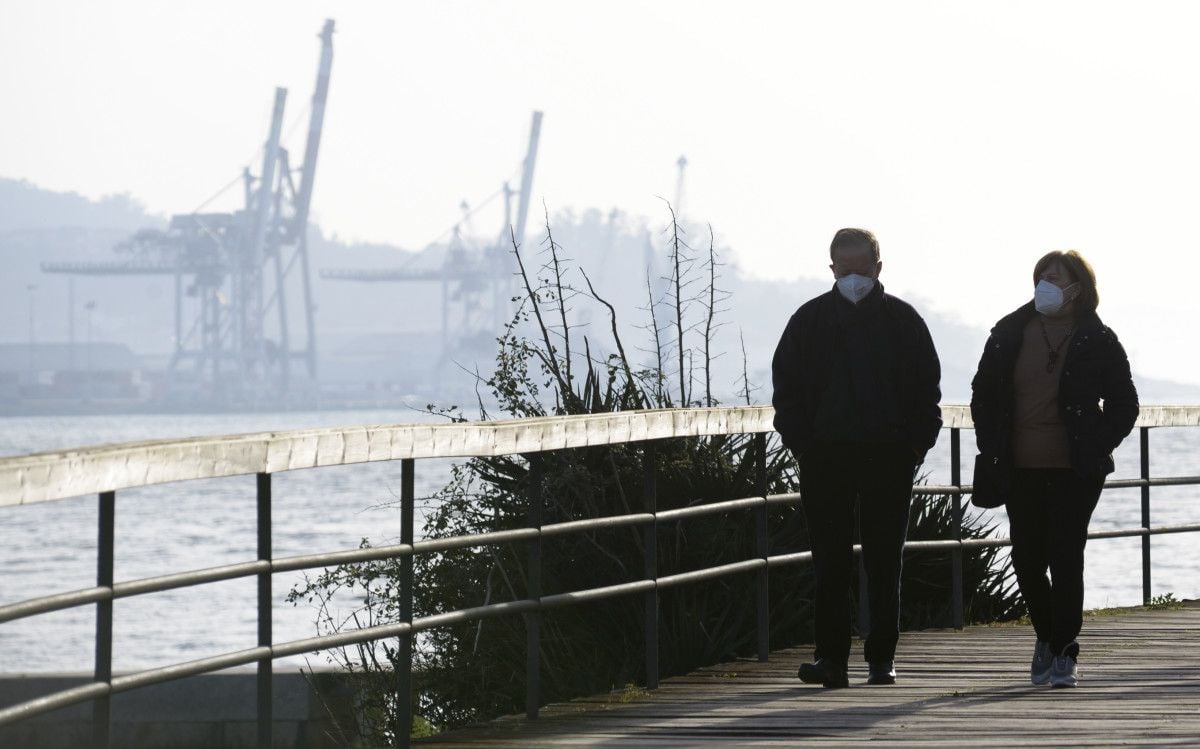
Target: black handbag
991, 483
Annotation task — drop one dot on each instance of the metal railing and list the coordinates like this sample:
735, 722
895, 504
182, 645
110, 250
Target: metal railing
105, 469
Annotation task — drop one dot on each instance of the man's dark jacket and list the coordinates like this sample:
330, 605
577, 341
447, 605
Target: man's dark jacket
863, 373
1095, 369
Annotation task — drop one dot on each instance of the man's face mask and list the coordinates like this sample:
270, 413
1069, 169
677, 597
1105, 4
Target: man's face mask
855, 287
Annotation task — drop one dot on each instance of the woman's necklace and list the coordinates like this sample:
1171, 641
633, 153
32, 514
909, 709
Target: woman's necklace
1053, 350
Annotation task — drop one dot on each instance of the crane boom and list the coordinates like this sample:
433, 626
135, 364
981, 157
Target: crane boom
535, 130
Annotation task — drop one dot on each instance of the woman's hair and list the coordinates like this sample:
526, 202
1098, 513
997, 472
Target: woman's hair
1080, 271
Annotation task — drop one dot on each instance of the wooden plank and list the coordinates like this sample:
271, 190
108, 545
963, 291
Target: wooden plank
1140, 684
91, 470
70, 473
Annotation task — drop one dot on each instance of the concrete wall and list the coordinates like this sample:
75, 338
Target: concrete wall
207, 711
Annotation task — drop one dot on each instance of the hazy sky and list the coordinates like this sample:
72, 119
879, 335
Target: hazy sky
972, 137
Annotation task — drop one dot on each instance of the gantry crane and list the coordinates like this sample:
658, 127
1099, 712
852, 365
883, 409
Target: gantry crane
237, 266
478, 281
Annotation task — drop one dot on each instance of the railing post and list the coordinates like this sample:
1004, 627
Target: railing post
265, 712
533, 620
102, 706
404, 716
956, 556
650, 560
1145, 455
760, 547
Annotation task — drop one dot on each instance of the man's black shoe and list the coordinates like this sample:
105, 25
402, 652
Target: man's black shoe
881, 672
824, 672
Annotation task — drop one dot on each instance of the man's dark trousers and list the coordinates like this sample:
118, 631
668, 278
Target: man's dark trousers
880, 477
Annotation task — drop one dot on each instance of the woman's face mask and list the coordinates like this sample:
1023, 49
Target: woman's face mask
1048, 298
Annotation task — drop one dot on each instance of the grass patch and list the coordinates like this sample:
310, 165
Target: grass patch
1166, 601
630, 693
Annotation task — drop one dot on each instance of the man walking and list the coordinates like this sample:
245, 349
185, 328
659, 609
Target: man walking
856, 401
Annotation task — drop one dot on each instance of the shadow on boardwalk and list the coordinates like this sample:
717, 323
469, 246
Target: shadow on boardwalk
1139, 684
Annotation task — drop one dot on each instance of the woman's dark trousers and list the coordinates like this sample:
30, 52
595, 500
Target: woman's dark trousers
831, 479
1048, 515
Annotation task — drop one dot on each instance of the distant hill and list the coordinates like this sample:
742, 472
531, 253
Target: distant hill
24, 207
762, 308
377, 332
1165, 392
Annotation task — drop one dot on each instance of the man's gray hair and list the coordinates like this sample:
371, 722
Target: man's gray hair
851, 238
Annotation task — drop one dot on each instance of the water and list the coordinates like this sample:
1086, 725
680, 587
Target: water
1113, 567
51, 546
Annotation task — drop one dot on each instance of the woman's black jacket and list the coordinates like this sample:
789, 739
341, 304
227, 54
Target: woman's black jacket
1097, 400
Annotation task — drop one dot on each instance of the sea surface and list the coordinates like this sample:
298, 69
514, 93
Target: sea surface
51, 546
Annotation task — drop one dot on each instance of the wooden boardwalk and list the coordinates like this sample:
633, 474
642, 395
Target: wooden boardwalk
1139, 684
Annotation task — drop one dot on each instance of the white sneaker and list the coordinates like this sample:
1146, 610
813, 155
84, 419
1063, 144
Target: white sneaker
1064, 672
1043, 660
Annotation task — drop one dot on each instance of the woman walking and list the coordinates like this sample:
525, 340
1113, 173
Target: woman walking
1052, 398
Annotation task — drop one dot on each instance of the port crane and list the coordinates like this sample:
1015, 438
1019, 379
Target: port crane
477, 283
236, 271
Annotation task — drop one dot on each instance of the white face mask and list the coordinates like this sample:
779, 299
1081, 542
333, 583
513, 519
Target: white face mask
855, 287
1048, 299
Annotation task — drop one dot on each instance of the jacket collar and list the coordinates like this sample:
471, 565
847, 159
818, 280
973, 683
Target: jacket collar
1013, 324
869, 305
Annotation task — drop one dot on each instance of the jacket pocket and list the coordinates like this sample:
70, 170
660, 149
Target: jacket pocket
1090, 457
